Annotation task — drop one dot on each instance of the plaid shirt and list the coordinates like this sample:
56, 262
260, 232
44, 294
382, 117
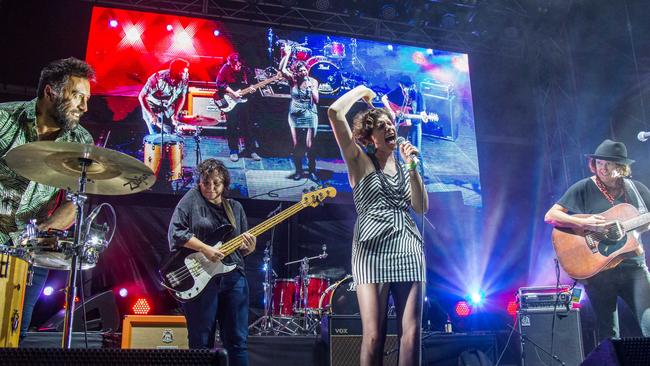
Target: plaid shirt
21, 199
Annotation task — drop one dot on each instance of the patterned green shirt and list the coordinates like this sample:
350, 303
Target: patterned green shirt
21, 199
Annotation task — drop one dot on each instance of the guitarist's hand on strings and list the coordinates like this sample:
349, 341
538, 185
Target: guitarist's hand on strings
248, 245
595, 223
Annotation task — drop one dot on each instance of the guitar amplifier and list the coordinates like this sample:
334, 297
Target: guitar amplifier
440, 99
547, 298
200, 102
343, 333
154, 331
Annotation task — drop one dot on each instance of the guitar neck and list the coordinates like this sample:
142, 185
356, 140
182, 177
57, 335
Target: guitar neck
233, 244
636, 222
252, 88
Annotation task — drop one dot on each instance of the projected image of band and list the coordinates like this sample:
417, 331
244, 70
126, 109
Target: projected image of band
173, 91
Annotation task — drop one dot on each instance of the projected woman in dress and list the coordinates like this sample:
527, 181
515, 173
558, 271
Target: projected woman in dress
387, 249
303, 115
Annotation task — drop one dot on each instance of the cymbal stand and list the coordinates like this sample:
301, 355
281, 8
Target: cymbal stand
79, 199
308, 323
197, 141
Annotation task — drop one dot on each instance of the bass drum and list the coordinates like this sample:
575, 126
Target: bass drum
327, 74
340, 298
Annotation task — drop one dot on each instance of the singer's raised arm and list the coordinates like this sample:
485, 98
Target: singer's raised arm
350, 150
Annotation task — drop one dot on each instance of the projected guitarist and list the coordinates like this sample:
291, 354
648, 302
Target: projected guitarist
232, 78
195, 225
405, 103
163, 96
584, 218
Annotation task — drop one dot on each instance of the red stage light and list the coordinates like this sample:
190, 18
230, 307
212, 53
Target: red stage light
512, 308
463, 309
141, 307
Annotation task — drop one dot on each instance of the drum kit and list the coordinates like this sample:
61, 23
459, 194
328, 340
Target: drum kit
79, 169
326, 67
162, 147
295, 306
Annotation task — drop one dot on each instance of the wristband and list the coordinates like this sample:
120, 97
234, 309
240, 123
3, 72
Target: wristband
412, 165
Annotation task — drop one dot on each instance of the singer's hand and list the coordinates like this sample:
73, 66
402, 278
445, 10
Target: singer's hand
368, 95
407, 150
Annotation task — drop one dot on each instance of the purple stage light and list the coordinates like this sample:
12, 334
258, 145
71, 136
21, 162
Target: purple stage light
112, 23
123, 292
48, 290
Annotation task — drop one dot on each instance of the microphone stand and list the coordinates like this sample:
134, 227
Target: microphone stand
526, 338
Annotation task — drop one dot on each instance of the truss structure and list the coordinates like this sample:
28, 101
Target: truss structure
477, 26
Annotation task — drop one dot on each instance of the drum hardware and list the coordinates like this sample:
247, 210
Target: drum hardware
307, 322
274, 320
91, 169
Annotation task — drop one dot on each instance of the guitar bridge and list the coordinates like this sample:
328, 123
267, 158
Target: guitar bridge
592, 243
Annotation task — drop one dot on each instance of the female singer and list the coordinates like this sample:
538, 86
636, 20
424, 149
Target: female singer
387, 249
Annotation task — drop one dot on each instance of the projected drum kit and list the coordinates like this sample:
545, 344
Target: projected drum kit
79, 169
163, 152
326, 67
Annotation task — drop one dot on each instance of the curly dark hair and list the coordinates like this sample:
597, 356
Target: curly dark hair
209, 166
58, 72
365, 121
298, 65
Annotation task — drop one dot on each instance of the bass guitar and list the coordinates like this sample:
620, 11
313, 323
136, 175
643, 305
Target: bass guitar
187, 272
226, 102
583, 254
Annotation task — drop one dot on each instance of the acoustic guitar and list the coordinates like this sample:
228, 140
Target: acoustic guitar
583, 254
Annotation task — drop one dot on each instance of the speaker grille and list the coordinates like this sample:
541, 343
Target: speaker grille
95, 357
537, 330
345, 350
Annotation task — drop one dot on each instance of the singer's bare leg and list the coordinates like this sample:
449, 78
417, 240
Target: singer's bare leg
373, 303
408, 303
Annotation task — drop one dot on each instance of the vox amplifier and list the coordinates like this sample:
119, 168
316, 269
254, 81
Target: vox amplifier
154, 331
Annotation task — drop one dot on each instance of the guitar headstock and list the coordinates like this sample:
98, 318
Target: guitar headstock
314, 198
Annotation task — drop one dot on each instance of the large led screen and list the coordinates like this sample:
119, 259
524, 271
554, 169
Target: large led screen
131, 51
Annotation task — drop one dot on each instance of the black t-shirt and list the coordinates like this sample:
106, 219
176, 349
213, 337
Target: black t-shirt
584, 197
198, 217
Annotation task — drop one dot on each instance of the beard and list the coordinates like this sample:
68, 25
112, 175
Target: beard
63, 116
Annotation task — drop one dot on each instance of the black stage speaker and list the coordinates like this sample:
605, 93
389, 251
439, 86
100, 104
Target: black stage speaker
439, 98
101, 315
111, 357
344, 340
620, 352
535, 329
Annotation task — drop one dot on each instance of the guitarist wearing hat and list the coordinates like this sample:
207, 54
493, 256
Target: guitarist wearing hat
587, 216
406, 106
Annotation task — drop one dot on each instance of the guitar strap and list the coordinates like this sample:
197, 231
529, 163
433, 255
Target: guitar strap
631, 187
229, 213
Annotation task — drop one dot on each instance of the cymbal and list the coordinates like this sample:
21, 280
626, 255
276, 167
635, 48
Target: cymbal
198, 120
58, 164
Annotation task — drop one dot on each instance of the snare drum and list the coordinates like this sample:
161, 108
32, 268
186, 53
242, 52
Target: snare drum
55, 253
340, 298
283, 293
334, 50
173, 150
315, 286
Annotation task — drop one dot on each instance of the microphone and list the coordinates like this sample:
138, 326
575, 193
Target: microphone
414, 156
643, 136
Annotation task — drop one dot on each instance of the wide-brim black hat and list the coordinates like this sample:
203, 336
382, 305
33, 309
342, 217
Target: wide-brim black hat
611, 151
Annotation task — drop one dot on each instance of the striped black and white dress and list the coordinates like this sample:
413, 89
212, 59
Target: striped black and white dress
387, 246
